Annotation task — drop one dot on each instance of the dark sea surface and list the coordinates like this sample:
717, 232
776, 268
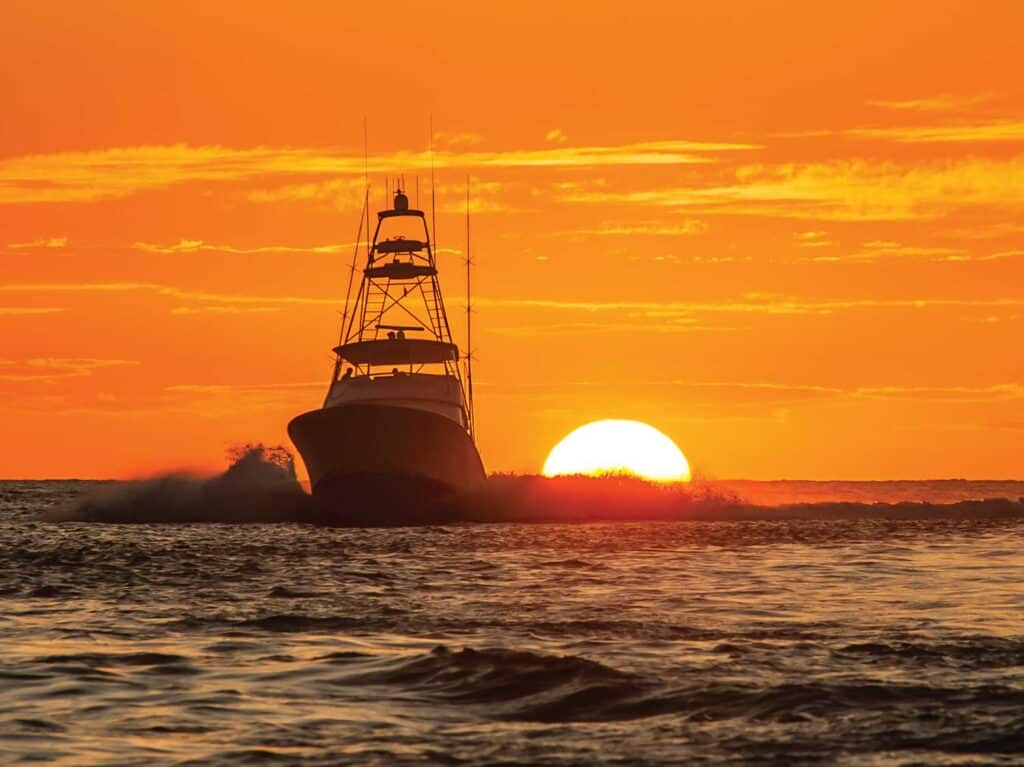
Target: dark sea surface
853, 639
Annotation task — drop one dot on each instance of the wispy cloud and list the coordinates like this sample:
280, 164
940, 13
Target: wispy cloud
224, 399
457, 139
18, 311
1002, 391
239, 388
118, 172
964, 256
988, 231
996, 130
764, 386
754, 303
941, 392
197, 246
811, 239
853, 190
687, 227
674, 326
52, 369
343, 192
1002, 255
878, 250
942, 102
478, 205
780, 392
45, 242
224, 309
162, 290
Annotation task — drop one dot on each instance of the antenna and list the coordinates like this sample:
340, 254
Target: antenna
433, 190
366, 155
366, 192
469, 323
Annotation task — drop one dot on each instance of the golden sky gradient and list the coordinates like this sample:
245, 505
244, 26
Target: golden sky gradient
788, 234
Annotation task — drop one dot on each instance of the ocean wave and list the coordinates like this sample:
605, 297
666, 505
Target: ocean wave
974, 653
514, 684
104, 660
520, 685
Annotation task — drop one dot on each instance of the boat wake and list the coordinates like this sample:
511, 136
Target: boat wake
261, 486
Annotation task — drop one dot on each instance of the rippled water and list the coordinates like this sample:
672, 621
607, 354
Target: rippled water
855, 641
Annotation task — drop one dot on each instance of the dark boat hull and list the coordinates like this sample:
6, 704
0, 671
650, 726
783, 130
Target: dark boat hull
351, 450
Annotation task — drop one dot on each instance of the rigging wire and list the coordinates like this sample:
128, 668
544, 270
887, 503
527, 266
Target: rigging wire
352, 268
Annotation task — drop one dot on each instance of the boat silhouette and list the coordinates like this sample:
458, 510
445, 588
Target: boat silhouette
396, 419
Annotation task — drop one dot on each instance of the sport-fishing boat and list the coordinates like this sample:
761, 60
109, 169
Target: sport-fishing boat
397, 409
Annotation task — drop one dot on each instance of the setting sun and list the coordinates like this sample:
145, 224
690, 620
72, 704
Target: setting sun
632, 447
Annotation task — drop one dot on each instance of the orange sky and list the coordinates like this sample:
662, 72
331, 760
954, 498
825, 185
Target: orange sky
789, 235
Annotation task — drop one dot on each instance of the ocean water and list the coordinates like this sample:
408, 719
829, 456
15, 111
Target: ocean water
849, 636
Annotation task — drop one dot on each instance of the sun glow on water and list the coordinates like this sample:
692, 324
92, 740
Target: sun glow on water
611, 446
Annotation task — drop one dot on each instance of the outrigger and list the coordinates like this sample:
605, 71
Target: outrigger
396, 406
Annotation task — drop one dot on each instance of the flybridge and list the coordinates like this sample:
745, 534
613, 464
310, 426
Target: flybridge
398, 351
